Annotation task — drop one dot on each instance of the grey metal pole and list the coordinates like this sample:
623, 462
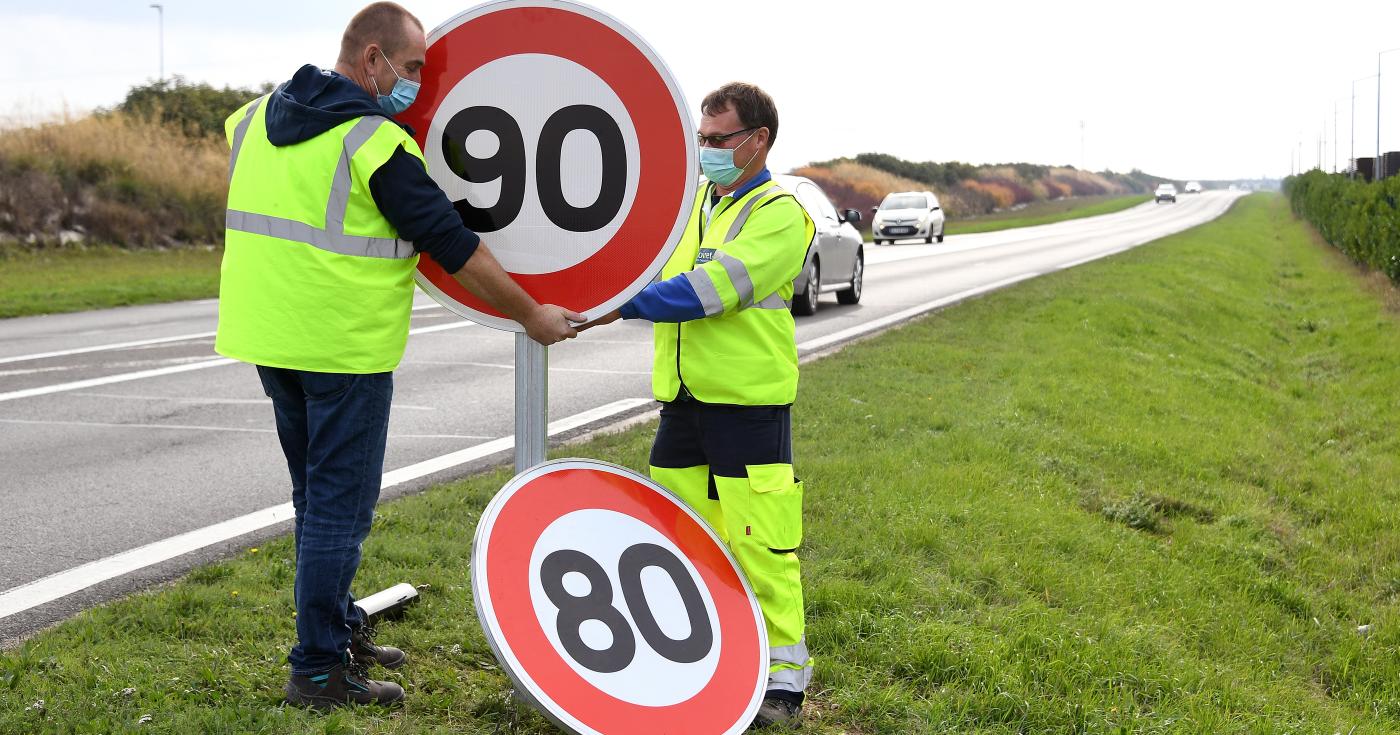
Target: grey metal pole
531, 402
160, 14
1378, 176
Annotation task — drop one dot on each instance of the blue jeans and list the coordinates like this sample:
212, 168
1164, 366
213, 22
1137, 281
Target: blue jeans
332, 427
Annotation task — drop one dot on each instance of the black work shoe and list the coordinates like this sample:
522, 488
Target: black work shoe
363, 650
342, 685
777, 712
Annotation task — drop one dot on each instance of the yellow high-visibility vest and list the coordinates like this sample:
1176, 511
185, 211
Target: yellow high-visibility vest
740, 259
313, 277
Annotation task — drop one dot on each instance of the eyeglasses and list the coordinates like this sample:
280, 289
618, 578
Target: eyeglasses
714, 141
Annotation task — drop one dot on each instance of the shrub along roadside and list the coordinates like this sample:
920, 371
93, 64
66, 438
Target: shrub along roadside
1360, 218
1150, 494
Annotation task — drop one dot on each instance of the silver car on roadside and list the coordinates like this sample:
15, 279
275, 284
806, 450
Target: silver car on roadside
836, 258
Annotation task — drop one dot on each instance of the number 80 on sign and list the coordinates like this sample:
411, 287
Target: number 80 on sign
613, 607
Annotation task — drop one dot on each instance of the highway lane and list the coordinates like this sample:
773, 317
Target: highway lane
107, 448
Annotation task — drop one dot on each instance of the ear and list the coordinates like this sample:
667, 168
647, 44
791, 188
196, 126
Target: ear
371, 52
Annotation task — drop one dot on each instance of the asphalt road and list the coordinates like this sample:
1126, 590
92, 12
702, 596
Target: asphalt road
121, 428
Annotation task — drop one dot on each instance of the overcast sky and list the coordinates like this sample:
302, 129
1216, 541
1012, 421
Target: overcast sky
1183, 89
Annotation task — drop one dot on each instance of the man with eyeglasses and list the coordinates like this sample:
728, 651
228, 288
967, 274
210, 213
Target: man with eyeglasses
725, 370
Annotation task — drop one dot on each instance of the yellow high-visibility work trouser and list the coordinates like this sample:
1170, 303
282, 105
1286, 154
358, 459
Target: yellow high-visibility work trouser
743, 486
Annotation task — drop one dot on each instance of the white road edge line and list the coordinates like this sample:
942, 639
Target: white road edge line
139, 342
157, 372
888, 320
62, 584
112, 346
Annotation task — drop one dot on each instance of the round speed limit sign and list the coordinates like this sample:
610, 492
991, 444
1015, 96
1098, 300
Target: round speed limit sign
562, 140
614, 608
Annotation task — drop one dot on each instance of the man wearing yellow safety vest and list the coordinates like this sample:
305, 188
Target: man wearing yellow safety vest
725, 370
329, 205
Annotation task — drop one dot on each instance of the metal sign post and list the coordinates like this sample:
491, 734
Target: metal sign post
531, 402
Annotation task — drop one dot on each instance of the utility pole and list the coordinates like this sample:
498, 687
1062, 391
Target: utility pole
1353, 123
1378, 168
160, 15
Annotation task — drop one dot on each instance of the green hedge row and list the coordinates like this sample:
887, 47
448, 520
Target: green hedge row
1362, 219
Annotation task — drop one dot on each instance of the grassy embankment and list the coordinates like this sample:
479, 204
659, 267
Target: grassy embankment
108, 211
1152, 494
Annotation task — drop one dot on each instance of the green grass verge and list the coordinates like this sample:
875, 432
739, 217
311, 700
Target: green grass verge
1152, 494
64, 280
1044, 213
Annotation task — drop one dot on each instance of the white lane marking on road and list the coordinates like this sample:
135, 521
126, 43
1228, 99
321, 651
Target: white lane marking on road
217, 401
112, 346
108, 380
34, 371
124, 377
50, 588
900, 316
140, 342
189, 427
105, 425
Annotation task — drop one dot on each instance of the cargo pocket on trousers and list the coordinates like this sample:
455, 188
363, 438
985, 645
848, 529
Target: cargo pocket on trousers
775, 507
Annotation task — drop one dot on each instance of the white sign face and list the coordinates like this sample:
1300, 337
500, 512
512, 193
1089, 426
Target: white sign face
563, 141
614, 608
582, 159
633, 566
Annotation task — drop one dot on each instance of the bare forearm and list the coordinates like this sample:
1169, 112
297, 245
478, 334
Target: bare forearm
484, 276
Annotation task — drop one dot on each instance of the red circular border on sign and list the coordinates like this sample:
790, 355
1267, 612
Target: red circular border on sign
516, 529
648, 99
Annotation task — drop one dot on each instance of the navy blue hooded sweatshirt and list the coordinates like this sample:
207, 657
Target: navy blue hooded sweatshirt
316, 100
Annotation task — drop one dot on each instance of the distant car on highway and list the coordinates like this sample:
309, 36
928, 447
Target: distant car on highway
1166, 193
836, 258
1192, 187
908, 214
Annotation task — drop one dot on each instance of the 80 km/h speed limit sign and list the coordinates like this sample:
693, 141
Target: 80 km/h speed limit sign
564, 141
614, 608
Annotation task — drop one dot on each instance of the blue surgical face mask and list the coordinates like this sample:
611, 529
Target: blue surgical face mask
401, 96
718, 163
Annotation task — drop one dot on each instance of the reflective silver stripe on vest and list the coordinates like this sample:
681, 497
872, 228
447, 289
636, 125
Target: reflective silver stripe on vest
738, 276
240, 130
332, 237
339, 200
774, 301
333, 242
745, 212
705, 290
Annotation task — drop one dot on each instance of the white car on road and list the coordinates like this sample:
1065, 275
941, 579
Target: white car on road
908, 214
1192, 187
1166, 193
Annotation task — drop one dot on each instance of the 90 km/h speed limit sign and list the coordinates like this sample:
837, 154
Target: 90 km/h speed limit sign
614, 608
564, 141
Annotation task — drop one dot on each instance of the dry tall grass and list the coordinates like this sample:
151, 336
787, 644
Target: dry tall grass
111, 178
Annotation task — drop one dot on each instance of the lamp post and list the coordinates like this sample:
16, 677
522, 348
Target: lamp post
160, 13
1378, 109
1353, 122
